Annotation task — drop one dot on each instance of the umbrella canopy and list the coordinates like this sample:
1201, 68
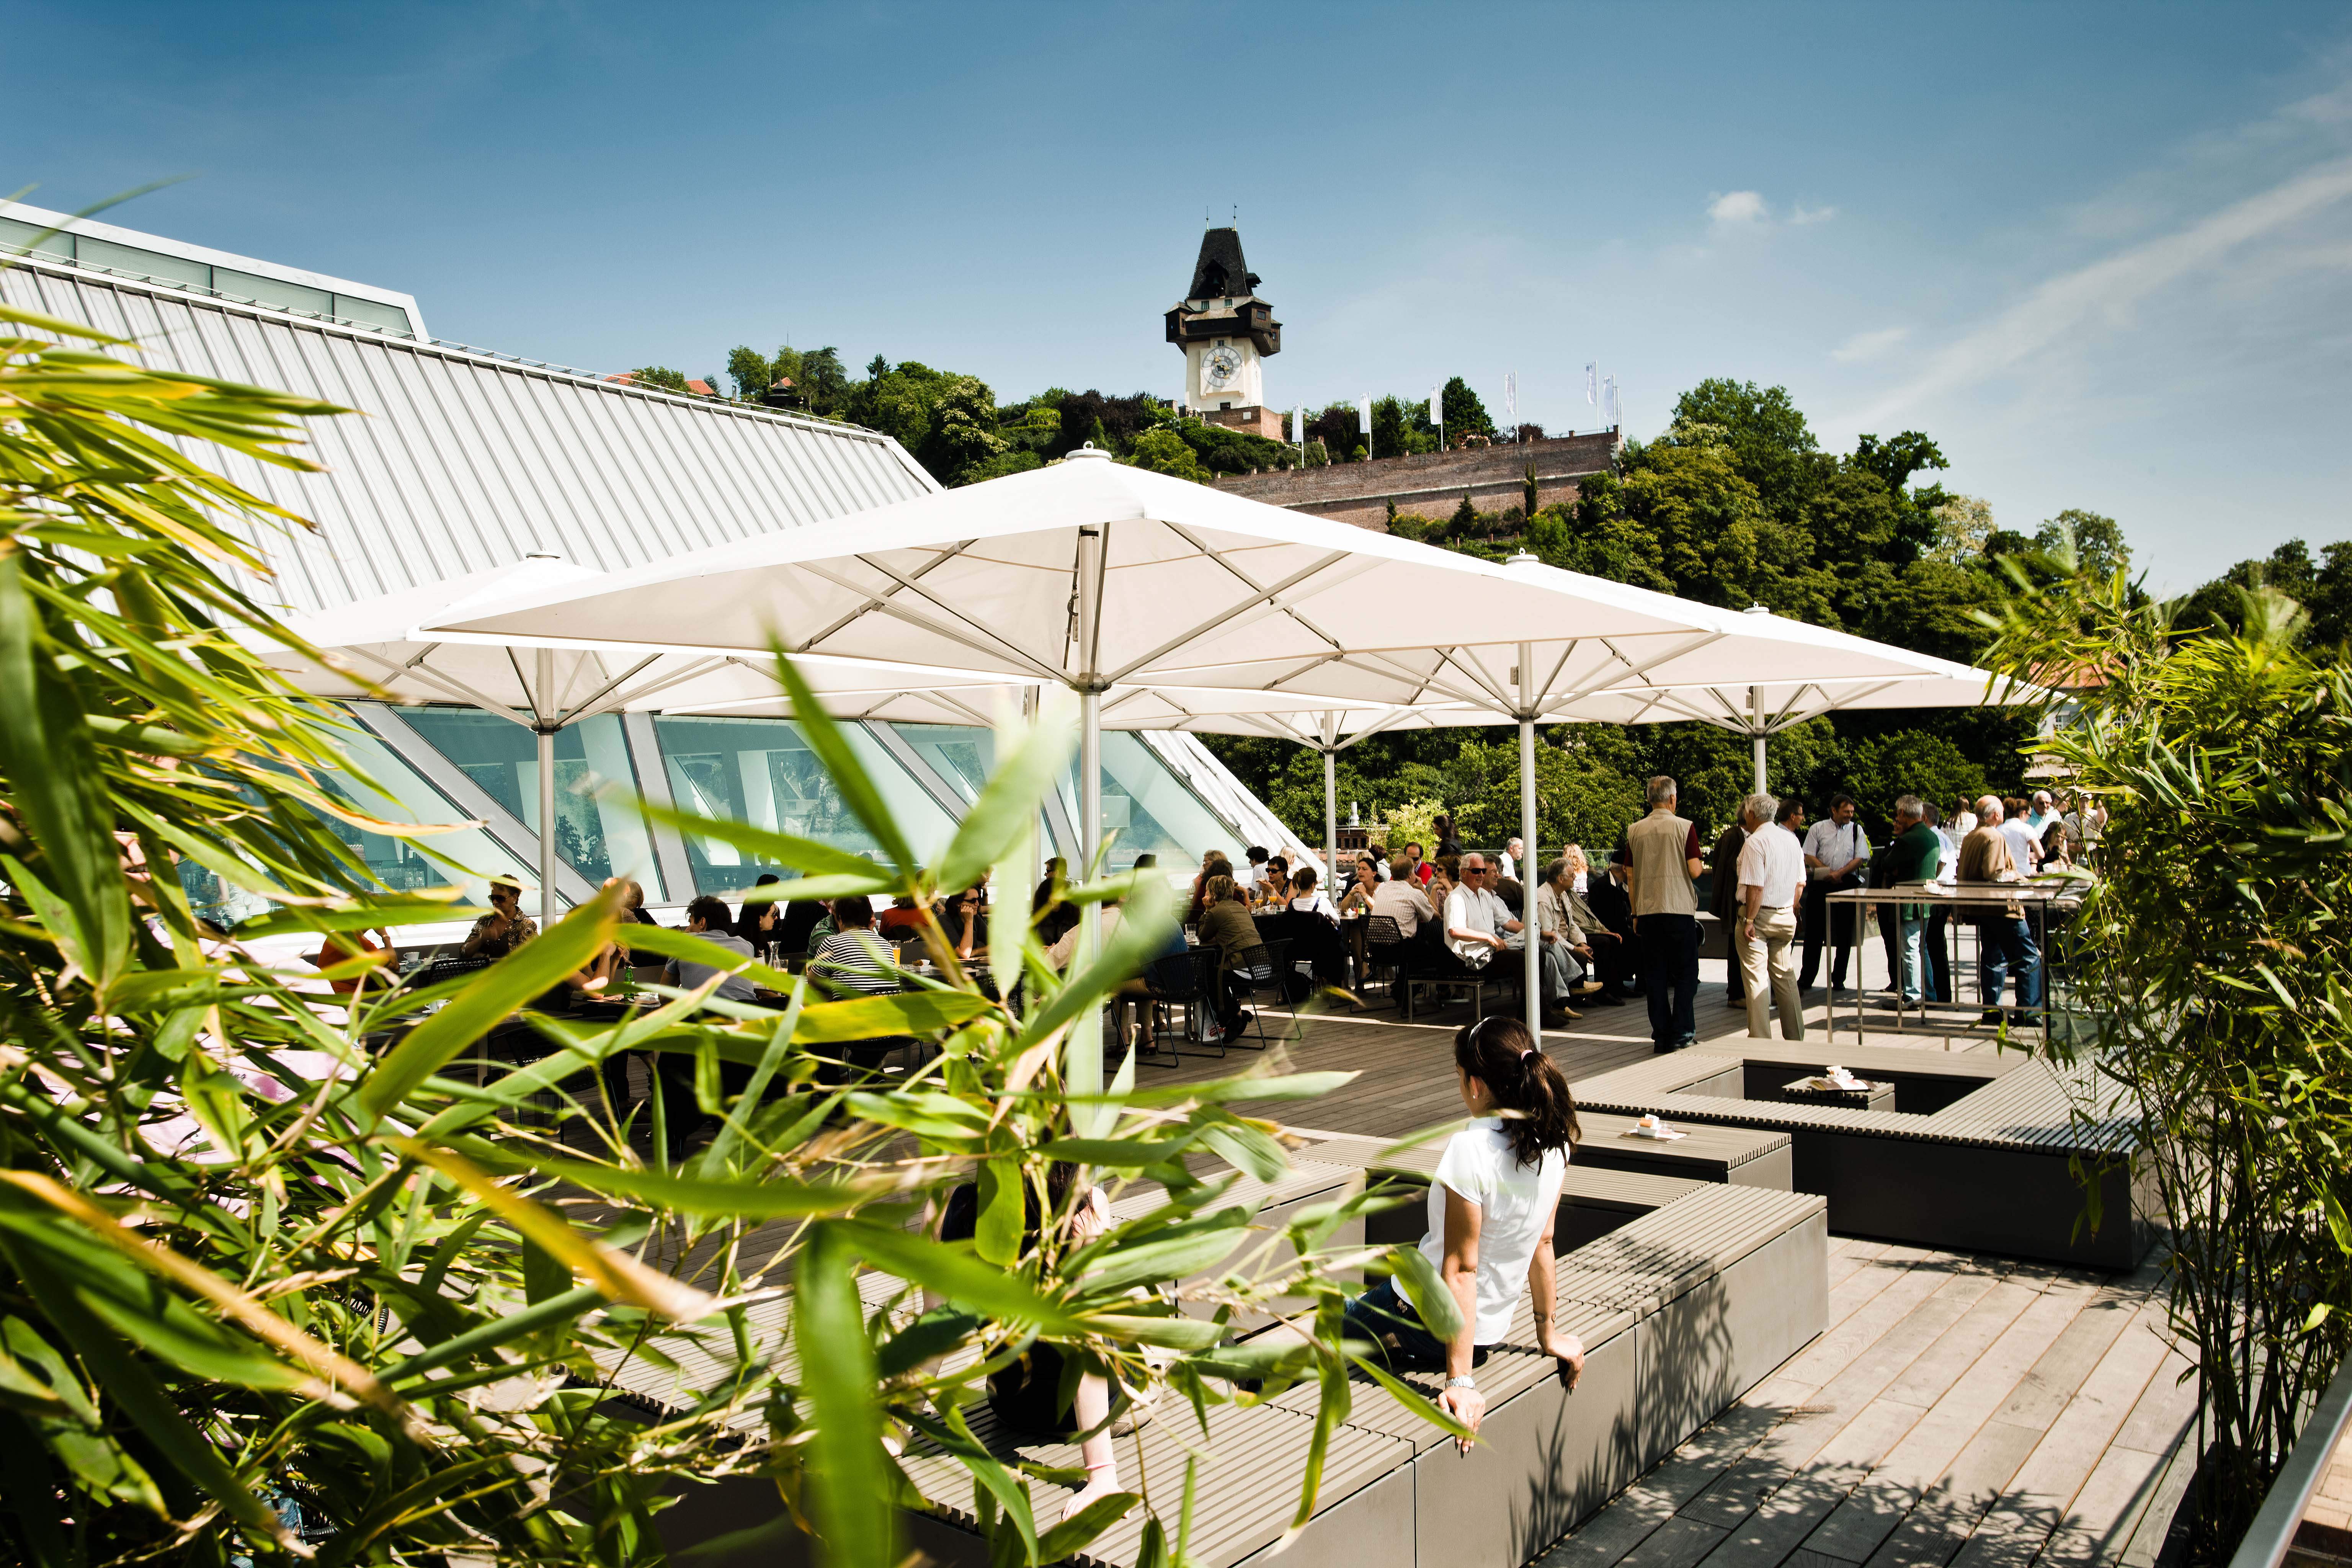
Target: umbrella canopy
377, 654
1096, 575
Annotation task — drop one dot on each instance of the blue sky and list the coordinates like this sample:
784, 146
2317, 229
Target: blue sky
2101, 254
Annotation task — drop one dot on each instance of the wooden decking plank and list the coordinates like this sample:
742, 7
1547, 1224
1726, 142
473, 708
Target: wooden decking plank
2099, 1523
1679, 1544
1852, 1333
1779, 1524
1942, 1520
2042, 1393
1944, 1363
1908, 1476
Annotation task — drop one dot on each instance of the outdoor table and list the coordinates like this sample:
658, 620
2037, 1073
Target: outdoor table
2037, 899
1869, 1097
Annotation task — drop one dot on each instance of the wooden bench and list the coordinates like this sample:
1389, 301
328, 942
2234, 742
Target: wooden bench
1983, 1153
1694, 1293
1742, 1156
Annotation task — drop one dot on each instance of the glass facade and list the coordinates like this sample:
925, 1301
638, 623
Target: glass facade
761, 772
137, 260
597, 837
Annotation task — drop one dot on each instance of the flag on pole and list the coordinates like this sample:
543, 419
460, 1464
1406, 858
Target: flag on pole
1298, 426
1611, 406
1437, 405
1511, 395
1364, 416
1592, 381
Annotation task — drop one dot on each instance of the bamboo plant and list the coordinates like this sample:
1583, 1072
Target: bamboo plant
293, 1274
2210, 959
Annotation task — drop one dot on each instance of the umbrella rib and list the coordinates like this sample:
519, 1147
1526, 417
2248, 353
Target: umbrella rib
1197, 543
530, 695
586, 706
448, 684
1633, 669
1484, 683
900, 611
1392, 716
1269, 596
1380, 663
874, 601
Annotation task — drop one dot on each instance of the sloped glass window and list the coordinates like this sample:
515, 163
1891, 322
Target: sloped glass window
597, 837
761, 771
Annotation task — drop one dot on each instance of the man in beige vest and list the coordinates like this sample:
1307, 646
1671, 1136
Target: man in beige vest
1662, 878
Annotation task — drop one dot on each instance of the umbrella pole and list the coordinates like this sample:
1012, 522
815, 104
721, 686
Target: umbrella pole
546, 735
1531, 929
1084, 1074
1756, 719
1331, 820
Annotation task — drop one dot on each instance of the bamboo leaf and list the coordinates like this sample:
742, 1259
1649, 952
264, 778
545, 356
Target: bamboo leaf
841, 764
957, 1275
1009, 802
529, 971
848, 1470
1417, 1277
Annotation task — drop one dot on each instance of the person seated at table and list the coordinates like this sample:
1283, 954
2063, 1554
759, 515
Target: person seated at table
1377, 856
1273, 884
853, 958
1359, 898
965, 921
1607, 958
1556, 970
1050, 914
1419, 868
2057, 846
707, 917
505, 927
1437, 885
1612, 907
1217, 866
761, 921
1306, 899
1400, 899
1492, 1206
1226, 929
821, 929
1555, 916
902, 922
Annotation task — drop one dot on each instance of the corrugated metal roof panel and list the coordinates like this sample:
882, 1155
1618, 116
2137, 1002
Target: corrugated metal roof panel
464, 461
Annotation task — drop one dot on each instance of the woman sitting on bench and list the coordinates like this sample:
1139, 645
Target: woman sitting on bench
1491, 1211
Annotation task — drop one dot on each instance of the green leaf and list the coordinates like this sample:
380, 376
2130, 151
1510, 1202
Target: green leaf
848, 1472
805, 855
919, 1013
1175, 1332
1330, 1412
1251, 1149
823, 737
1065, 1539
957, 1275
1118, 1154
527, 972
744, 1198
1003, 1212
1009, 802
1175, 1254
1418, 1278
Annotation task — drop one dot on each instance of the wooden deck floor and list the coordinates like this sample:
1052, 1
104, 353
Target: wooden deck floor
1964, 1410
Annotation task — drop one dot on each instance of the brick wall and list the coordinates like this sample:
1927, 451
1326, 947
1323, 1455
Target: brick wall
1432, 484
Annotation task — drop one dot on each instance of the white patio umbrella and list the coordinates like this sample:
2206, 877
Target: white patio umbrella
548, 689
1096, 575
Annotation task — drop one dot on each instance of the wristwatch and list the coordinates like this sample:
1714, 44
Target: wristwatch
1461, 1383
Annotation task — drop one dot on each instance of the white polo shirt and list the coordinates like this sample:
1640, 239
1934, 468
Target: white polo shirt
1771, 861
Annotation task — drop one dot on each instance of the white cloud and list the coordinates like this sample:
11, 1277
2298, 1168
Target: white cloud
1798, 216
1865, 346
2105, 291
1735, 209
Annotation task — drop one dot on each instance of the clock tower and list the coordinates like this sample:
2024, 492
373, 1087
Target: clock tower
1226, 332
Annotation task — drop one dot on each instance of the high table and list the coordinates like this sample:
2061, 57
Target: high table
2039, 900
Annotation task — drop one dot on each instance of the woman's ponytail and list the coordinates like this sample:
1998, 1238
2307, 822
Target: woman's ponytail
1499, 1053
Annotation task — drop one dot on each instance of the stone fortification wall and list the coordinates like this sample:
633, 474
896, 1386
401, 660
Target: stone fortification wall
1432, 484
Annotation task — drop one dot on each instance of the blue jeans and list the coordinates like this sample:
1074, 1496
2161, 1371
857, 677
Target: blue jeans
1670, 975
1910, 934
1384, 1317
2008, 945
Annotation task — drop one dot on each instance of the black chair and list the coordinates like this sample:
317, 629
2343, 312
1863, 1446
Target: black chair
1263, 968
1385, 948
1192, 981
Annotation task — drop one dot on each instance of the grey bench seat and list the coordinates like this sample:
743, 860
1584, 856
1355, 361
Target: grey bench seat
1994, 1168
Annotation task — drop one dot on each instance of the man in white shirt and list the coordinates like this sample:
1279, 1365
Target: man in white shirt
1771, 873
1253, 870
1837, 854
1479, 926
1401, 899
1506, 864
2038, 819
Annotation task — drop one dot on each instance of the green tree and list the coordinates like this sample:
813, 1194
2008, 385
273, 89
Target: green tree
1164, 451
823, 380
751, 371
659, 375
1464, 414
2098, 541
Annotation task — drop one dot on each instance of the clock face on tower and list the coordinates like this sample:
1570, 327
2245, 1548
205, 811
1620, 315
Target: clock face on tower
1219, 366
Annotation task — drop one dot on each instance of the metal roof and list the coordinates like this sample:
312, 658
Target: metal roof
463, 460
